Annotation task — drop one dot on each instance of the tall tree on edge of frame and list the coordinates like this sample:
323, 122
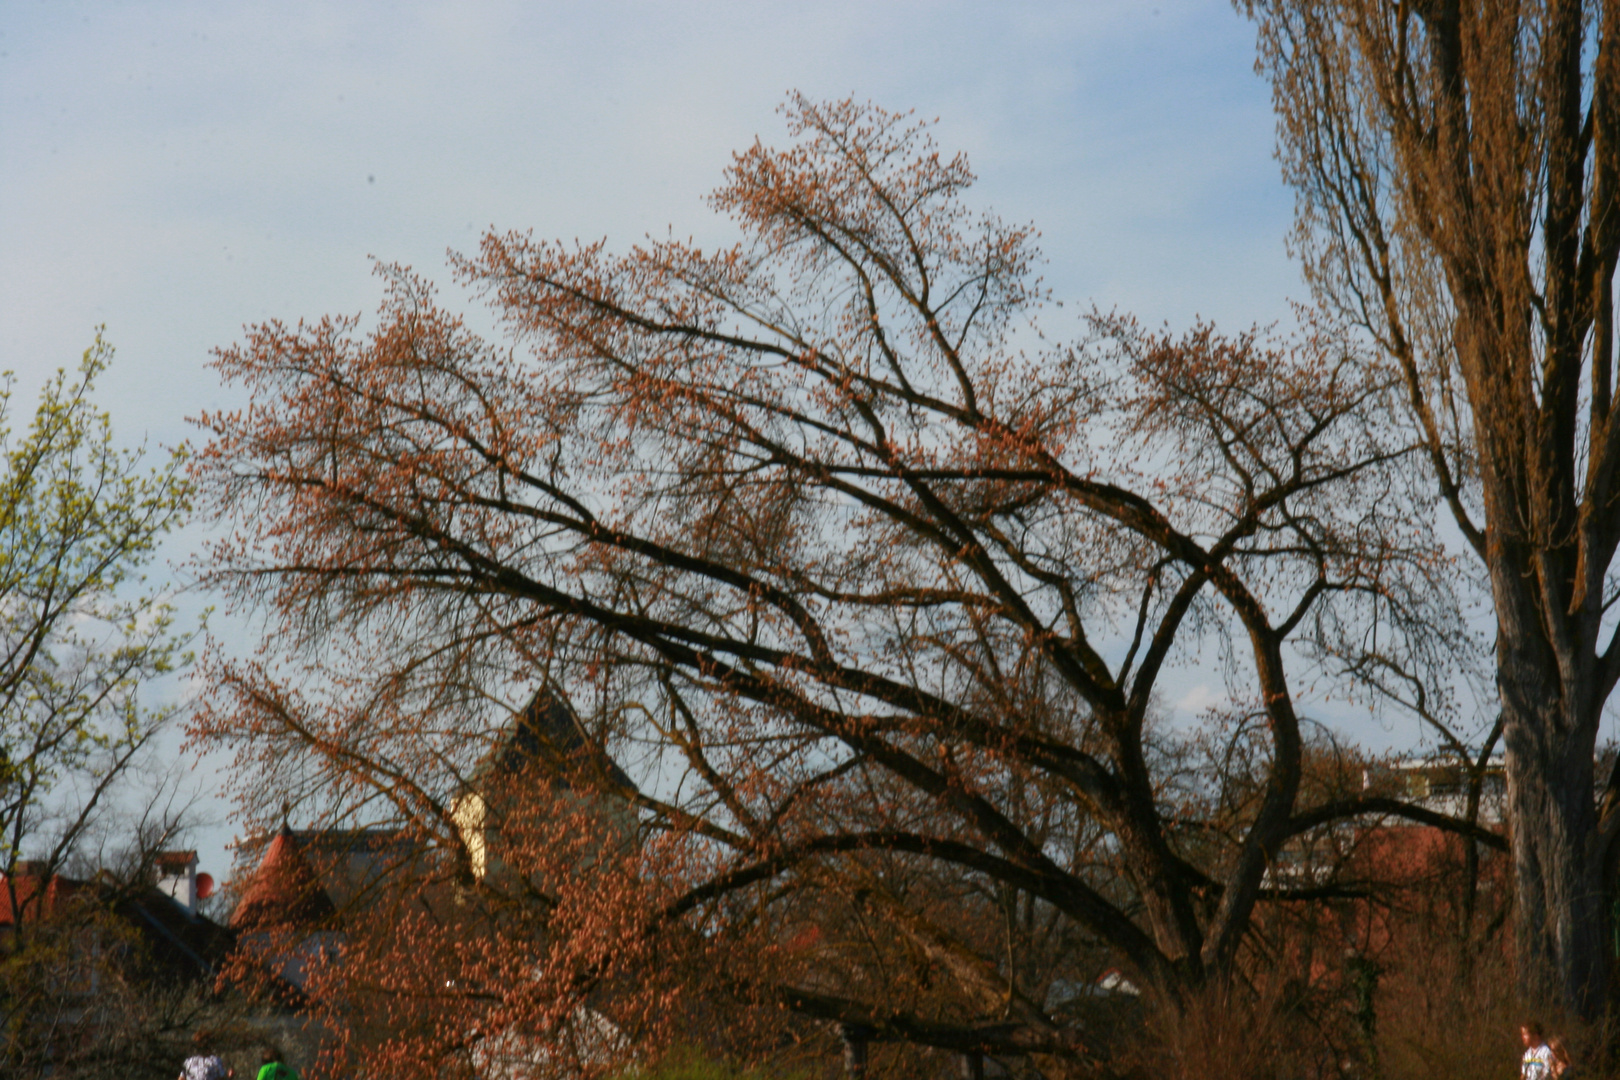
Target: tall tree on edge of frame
80, 635
1457, 168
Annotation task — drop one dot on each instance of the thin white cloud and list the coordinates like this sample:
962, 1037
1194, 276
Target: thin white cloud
1196, 701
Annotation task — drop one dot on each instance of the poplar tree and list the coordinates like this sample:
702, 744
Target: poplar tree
1457, 167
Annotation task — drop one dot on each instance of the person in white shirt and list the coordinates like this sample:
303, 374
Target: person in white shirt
1537, 1063
204, 1064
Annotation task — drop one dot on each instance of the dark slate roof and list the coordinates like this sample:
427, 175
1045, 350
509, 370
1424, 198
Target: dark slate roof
548, 731
180, 943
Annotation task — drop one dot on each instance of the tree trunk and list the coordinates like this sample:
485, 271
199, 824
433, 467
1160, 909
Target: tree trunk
1458, 166
1561, 919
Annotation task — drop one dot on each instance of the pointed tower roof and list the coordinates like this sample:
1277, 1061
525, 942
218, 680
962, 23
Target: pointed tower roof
548, 730
284, 890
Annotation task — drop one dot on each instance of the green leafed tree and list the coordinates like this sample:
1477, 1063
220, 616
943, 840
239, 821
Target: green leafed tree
81, 629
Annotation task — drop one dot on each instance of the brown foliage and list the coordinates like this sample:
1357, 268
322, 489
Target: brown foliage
861, 592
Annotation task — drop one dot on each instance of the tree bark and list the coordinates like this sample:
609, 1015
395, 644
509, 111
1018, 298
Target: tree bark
1561, 923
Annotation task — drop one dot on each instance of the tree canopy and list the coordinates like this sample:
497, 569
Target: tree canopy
869, 590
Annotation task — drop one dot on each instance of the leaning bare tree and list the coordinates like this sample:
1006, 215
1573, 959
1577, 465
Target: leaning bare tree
1457, 168
841, 561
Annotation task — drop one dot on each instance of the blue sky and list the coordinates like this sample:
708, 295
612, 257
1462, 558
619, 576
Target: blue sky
177, 170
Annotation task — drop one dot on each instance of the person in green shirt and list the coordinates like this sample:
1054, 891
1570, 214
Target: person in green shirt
272, 1068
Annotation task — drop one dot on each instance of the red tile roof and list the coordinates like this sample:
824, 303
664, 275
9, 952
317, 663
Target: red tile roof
175, 860
283, 892
34, 906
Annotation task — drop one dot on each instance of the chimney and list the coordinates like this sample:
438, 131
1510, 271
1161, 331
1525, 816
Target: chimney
177, 877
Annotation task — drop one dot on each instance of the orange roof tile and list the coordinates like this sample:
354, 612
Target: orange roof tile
27, 889
284, 891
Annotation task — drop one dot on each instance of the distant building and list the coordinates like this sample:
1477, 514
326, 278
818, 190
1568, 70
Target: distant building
1440, 783
1384, 885
178, 943
545, 734
305, 886
311, 878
